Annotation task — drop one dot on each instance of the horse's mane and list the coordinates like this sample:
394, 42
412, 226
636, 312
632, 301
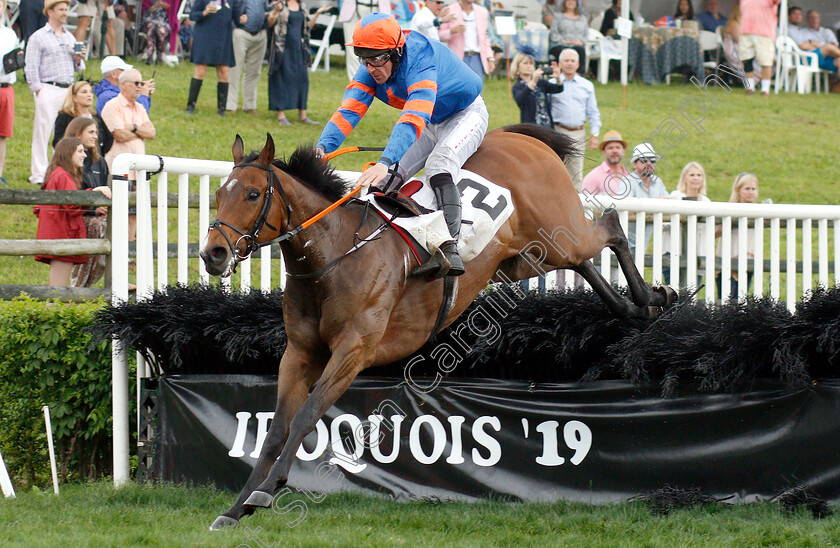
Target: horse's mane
305, 166
562, 145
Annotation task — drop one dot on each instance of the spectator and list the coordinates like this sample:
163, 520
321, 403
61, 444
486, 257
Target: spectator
609, 177
757, 42
249, 44
8, 42
643, 182
428, 20
569, 29
78, 103
613, 13
692, 186
794, 29
731, 36
684, 11
212, 45
550, 10
289, 59
129, 122
531, 90
109, 87
571, 109
351, 13
63, 221
94, 175
114, 28
31, 18
821, 41
156, 26
50, 65
711, 19
126, 118
469, 38
744, 191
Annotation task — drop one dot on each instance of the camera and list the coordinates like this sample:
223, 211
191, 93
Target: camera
548, 72
77, 48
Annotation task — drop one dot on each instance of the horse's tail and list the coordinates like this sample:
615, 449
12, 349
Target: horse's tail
563, 145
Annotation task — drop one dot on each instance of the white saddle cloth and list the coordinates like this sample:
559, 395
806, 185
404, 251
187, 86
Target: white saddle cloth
485, 208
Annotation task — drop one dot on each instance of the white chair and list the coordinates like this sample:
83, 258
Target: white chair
604, 50
710, 42
323, 44
805, 64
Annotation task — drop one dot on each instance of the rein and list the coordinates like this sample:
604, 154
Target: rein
250, 237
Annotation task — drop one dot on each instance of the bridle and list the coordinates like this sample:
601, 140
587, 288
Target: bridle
250, 237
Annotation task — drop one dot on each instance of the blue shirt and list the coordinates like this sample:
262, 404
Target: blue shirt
431, 84
639, 190
105, 91
255, 10
576, 104
709, 22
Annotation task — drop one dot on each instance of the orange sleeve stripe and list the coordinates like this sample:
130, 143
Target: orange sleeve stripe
420, 105
358, 85
424, 84
343, 125
417, 121
354, 105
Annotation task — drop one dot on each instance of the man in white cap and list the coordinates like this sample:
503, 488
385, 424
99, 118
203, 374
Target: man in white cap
109, 87
644, 183
50, 66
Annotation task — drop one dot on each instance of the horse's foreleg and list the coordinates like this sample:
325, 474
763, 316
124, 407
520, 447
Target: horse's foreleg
642, 293
620, 306
297, 373
338, 375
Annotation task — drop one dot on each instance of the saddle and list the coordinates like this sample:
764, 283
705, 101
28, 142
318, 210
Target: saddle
398, 202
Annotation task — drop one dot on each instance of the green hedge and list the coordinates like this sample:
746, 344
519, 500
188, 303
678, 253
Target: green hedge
46, 359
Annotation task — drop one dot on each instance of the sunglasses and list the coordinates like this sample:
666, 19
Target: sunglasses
647, 160
138, 84
377, 61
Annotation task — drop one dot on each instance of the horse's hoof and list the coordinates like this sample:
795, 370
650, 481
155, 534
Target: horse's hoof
668, 294
259, 499
223, 522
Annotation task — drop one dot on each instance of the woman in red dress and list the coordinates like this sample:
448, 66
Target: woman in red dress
63, 221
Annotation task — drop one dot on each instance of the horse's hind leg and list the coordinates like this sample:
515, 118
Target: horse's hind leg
297, 373
620, 306
642, 293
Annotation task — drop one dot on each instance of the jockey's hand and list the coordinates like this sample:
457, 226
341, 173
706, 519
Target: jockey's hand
319, 152
373, 175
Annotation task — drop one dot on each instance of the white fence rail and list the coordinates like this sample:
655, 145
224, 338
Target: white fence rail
694, 223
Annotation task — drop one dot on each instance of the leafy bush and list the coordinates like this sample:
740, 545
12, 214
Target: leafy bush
46, 359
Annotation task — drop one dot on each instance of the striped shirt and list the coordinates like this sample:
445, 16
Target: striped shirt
49, 58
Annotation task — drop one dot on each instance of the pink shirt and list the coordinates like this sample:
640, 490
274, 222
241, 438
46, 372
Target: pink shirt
759, 17
119, 113
594, 180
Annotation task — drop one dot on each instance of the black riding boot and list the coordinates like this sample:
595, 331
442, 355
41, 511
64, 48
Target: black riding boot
195, 88
221, 97
447, 261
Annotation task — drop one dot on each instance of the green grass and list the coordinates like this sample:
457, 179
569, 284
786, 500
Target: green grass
96, 515
788, 140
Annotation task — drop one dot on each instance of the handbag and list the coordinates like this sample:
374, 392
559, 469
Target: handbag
13, 60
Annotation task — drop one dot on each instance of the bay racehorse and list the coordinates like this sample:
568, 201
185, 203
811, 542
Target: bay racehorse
346, 312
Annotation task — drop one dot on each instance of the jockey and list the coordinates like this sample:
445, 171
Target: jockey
443, 118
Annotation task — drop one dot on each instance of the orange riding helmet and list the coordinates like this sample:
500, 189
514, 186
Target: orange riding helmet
378, 32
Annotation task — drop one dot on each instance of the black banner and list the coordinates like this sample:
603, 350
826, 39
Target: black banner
596, 442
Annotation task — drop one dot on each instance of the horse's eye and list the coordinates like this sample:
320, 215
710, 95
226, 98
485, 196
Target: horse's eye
253, 195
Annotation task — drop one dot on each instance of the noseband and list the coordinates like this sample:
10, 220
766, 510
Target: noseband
250, 237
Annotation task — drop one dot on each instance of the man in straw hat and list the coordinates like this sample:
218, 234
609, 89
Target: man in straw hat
50, 64
606, 178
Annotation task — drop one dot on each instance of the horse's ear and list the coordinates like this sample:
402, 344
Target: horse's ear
238, 149
267, 154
